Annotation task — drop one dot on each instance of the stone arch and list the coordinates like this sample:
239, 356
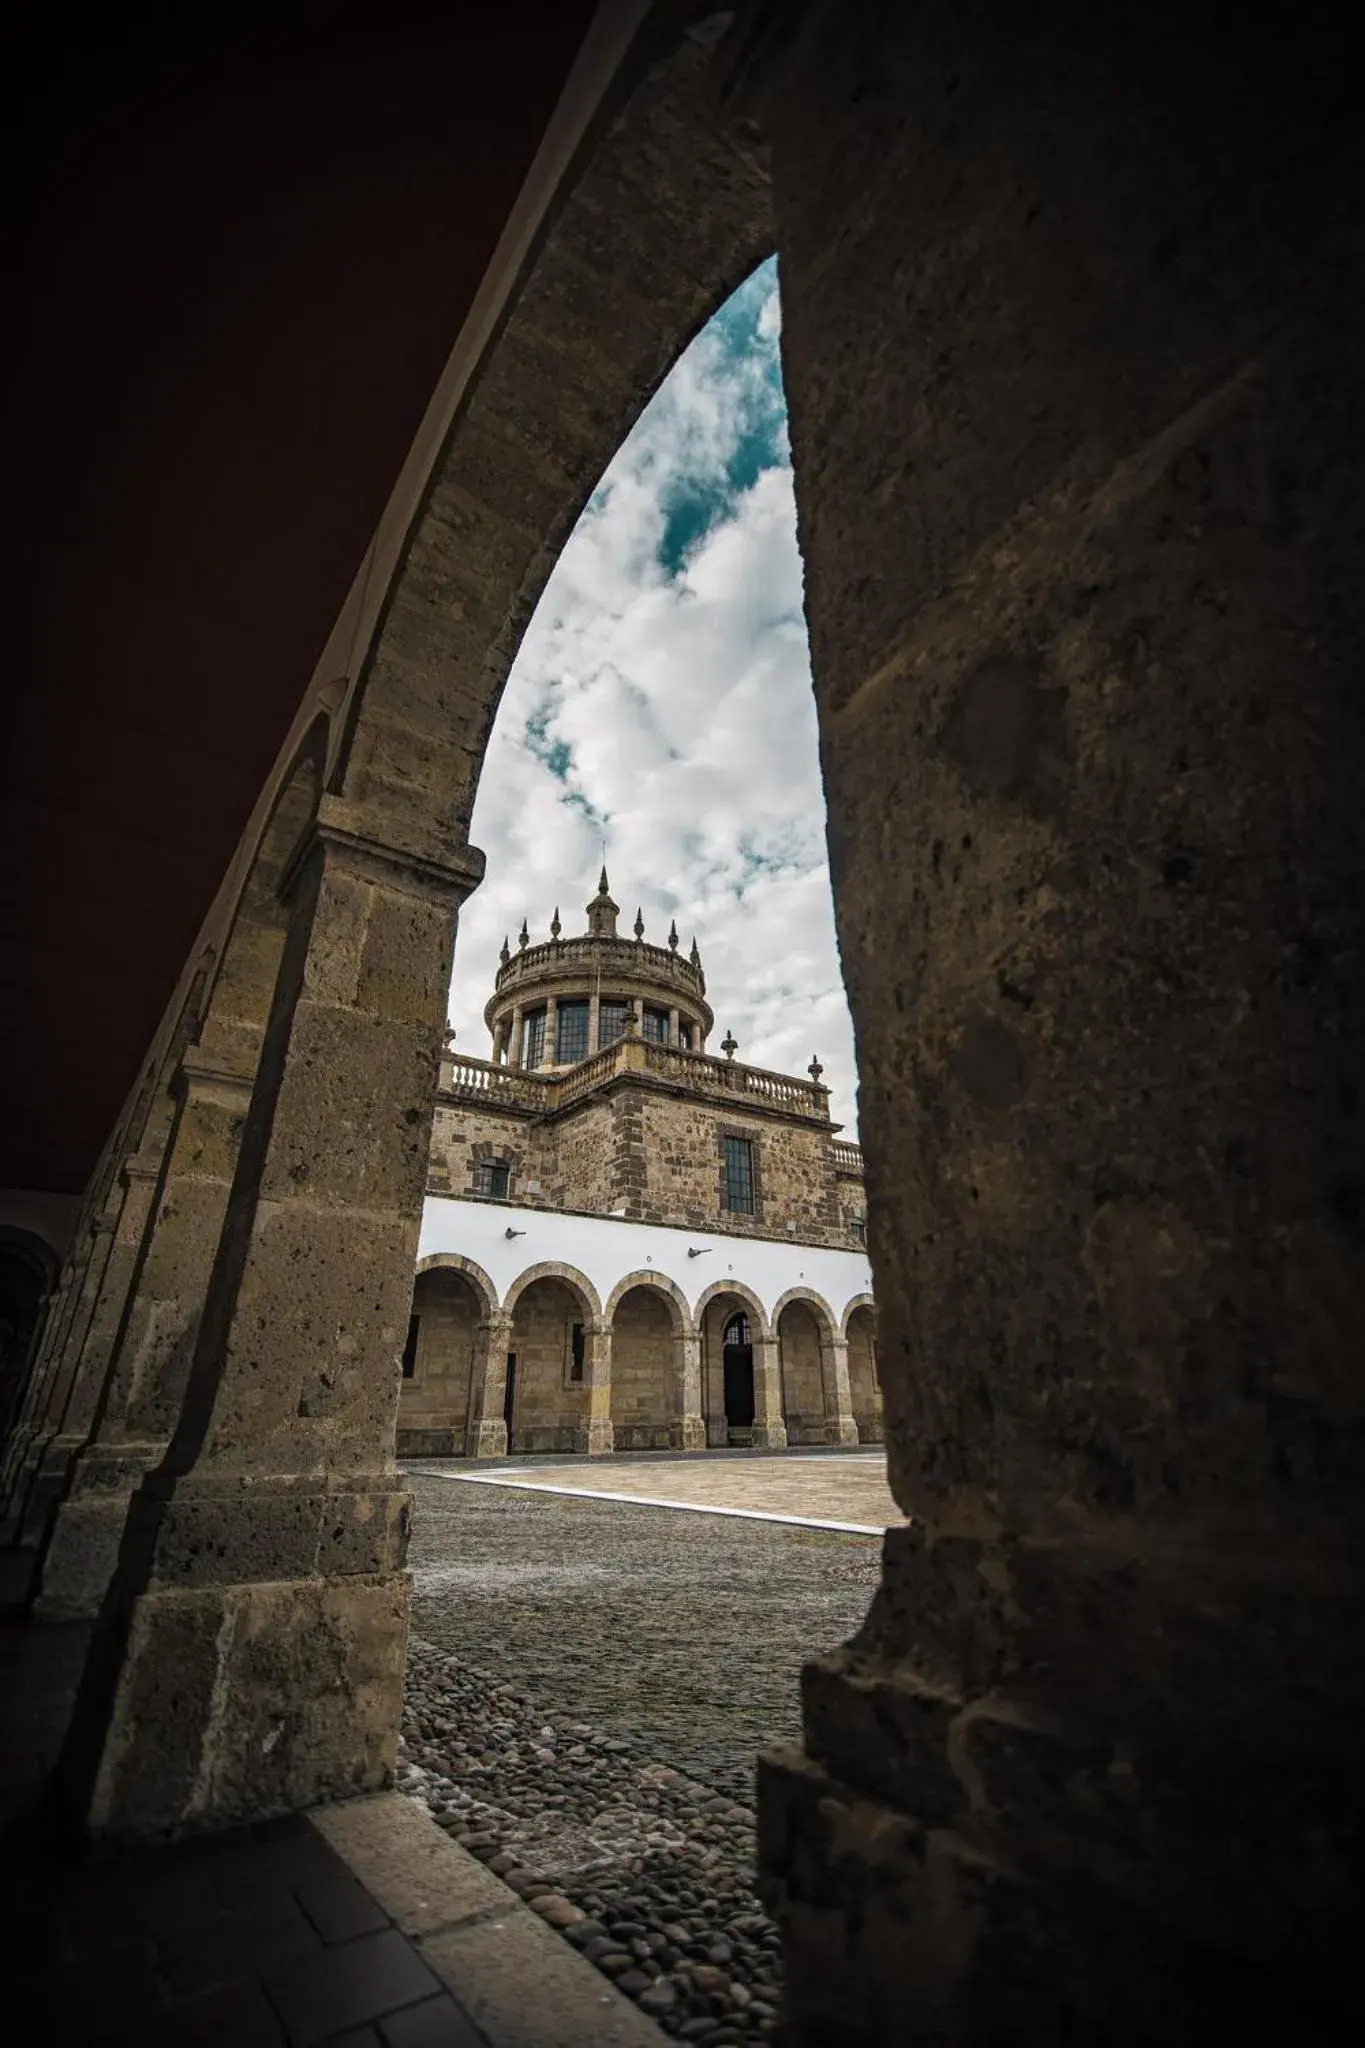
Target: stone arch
714, 1307
864, 1375
647, 1277
655, 1388
739, 1288
864, 1300
594, 327
805, 1332
473, 1272
820, 1309
554, 1269
555, 1355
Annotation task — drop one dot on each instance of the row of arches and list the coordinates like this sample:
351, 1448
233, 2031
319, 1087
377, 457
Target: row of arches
554, 1368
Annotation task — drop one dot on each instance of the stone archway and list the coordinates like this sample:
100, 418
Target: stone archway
815, 1391
738, 1382
452, 1304
655, 1377
864, 1382
557, 1362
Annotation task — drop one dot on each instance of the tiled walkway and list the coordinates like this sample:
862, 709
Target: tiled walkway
266, 1936
825, 1489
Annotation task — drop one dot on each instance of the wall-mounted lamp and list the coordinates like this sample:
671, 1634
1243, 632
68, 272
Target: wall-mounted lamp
697, 1251
509, 1232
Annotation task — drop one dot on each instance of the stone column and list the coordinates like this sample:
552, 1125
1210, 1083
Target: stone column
673, 1037
488, 1390
151, 1358
1072, 347
263, 1561
687, 1430
770, 1431
551, 1052
42, 1469
138, 1179
518, 1034
840, 1427
594, 1020
595, 1434
499, 1041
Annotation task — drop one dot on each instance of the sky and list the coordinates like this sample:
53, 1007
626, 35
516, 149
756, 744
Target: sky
661, 702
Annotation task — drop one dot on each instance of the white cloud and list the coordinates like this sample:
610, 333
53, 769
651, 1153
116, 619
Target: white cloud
662, 699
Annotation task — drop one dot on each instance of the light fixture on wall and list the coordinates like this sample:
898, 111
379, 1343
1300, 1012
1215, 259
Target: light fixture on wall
698, 1251
509, 1232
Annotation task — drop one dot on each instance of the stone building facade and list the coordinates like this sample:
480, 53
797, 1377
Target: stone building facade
629, 1243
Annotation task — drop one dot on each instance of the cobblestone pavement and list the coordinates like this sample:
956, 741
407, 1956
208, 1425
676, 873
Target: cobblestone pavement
826, 1486
682, 1632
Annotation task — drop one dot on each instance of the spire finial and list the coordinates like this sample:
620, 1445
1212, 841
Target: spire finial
555, 926
523, 937
815, 1070
506, 953
673, 936
694, 956
602, 888
729, 1045
639, 923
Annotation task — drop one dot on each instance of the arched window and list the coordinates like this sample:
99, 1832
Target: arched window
736, 1330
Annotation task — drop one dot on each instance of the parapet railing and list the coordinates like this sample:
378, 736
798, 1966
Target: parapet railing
627, 958
848, 1158
541, 1093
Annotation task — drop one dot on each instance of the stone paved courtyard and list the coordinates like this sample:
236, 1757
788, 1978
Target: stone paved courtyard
682, 1632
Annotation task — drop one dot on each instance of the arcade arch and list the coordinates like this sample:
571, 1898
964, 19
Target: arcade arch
864, 1382
554, 1348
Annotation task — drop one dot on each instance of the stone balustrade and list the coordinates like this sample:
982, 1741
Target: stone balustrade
848, 1158
481, 1080
620, 959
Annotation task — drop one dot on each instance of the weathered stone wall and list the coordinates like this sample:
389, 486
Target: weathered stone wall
549, 1407
682, 1162
433, 1406
644, 1371
864, 1385
803, 1394
461, 1135
1072, 335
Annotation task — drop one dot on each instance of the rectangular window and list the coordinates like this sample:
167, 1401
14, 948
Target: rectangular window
576, 1352
739, 1175
571, 1034
492, 1177
410, 1348
533, 1051
656, 1026
611, 1021
685, 1037
858, 1229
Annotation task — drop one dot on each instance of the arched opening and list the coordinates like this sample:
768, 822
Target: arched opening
737, 1367
546, 1399
864, 1383
439, 1355
646, 1370
804, 1397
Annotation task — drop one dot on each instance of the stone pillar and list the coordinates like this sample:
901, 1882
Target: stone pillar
42, 1468
138, 1179
687, 1430
499, 1041
151, 1359
551, 1052
263, 1560
595, 1434
594, 1020
673, 1037
770, 1431
1072, 347
518, 1037
840, 1427
488, 1389
713, 1372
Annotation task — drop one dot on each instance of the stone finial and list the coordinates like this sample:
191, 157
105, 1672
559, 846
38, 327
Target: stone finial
694, 956
673, 936
602, 912
555, 926
639, 923
729, 1045
523, 937
506, 953
815, 1070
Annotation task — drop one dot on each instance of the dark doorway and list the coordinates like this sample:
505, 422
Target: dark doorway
739, 1379
509, 1395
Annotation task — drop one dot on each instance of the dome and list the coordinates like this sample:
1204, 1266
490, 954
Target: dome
558, 1002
